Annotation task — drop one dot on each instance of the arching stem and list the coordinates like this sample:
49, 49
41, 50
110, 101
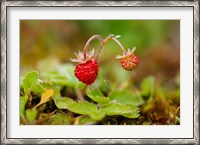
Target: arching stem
103, 42
89, 41
106, 40
99, 51
85, 52
120, 45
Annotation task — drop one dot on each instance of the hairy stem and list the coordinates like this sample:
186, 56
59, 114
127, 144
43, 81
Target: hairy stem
79, 95
120, 45
84, 89
90, 40
103, 42
99, 51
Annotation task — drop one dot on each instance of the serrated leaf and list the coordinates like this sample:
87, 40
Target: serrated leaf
126, 97
63, 102
56, 78
97, 96
64, 76
82, 120
30, 82
31, 115
68, 72
98, 115
147, 86
134, 113
56, 92
23, 101
61, 119
82, 108
115, 109
50, 85
103, 84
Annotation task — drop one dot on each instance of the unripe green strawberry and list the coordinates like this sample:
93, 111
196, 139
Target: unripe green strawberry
87, 72
129, 61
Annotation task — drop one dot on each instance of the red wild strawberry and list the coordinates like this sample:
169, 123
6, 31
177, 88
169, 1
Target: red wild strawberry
87, 69
87, 72
129, 61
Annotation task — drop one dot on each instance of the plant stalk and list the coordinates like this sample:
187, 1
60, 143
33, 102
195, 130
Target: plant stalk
103, 42
89, 41
120, 45
79, 94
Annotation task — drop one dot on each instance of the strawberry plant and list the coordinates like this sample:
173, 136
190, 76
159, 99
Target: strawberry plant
78, 95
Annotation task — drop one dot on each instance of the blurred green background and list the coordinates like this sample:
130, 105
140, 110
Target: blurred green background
46, 43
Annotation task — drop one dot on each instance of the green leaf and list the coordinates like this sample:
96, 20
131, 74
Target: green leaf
97, 96
23, 101
57, 78
56, 91
31, 115
147, 86
30, 82
82, 108
63, 102
98, 115
61, 119
68, 72
134, 113
82, 120
103, 84
115, 109
49, 85
21, 82
126, 97
64, 76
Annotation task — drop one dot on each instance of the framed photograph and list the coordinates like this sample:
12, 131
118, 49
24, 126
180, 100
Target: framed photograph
98, 72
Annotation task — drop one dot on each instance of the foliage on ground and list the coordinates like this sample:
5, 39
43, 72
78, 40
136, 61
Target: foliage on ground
52, 98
